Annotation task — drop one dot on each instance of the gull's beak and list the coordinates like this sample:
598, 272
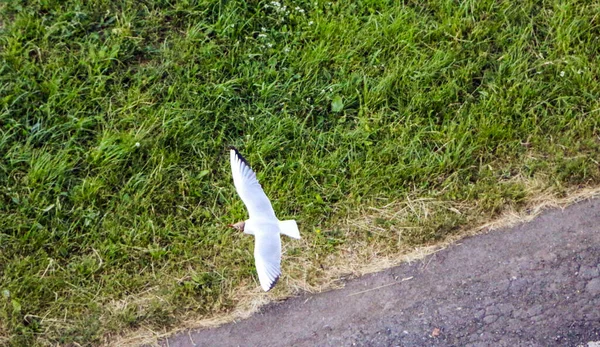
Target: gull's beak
239, 226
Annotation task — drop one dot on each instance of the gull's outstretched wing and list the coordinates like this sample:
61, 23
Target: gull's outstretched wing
248, 188
267, 257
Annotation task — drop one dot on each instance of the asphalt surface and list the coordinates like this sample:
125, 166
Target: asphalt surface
537, 284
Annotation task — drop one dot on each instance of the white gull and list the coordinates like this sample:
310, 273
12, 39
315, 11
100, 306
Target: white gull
263, 223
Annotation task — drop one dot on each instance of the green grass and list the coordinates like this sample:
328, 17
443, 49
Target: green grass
340, 106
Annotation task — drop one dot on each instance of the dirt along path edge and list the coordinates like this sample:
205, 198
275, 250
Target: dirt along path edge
536, 284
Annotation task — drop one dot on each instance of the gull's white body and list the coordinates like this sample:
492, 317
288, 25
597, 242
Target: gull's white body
263, 223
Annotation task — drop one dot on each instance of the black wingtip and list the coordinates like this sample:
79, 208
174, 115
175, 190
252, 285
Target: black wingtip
239, 155
274, 283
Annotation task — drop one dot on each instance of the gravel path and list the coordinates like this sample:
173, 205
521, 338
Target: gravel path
537, 284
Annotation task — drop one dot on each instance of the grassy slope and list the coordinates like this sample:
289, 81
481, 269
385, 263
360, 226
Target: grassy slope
337, 105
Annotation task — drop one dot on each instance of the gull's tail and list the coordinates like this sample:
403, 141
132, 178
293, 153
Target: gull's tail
289, 228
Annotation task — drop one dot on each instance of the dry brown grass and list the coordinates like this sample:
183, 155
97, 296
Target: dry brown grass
4, 339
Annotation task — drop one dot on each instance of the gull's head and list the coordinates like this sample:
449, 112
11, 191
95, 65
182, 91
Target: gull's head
238, 226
